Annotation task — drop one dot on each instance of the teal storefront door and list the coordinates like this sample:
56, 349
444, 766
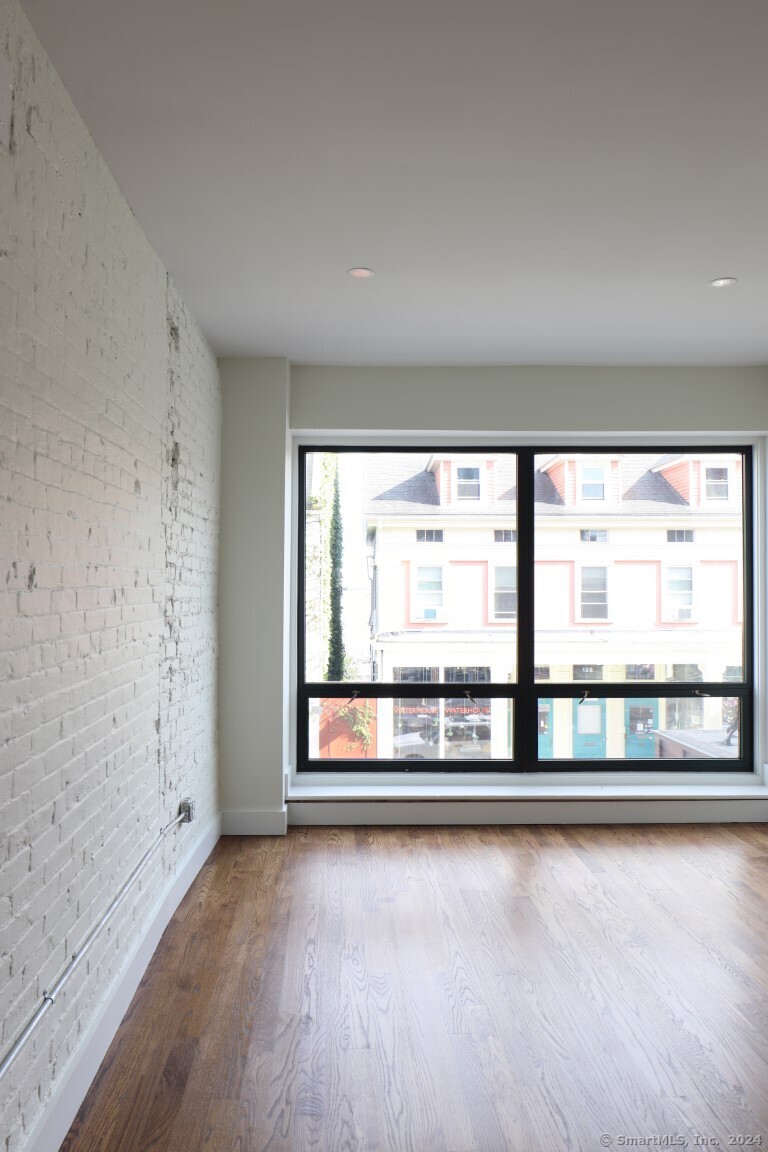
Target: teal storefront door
640, 719
545, 729
589, 729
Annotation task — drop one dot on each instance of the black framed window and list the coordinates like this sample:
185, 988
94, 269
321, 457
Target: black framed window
632, 661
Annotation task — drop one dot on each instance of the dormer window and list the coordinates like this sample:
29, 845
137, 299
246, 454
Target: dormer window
593, 483
716, 480
467, 483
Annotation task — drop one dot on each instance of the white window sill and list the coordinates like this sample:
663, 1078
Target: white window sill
745, 786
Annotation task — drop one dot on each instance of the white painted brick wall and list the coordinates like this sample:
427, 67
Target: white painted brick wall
192, 435
109, 498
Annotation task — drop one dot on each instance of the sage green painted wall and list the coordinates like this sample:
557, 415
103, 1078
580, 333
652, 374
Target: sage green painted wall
535, 399
265, 400
252, 587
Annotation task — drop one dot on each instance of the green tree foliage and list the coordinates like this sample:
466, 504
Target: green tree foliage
317, 573
336, 640
359, 717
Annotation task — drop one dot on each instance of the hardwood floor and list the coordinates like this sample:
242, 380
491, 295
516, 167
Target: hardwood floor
455, 990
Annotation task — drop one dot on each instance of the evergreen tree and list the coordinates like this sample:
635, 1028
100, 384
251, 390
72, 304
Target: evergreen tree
335, 640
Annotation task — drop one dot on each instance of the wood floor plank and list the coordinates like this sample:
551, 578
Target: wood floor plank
450, 990
169, 1094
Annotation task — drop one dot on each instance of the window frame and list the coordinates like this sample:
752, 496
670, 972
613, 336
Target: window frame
635, 679
726, 481
434, 674
417, 611
670, 604
495, 616
580, 616
457, 480
471, 674
604, 469
527, 694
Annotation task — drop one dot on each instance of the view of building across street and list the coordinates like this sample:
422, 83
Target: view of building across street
638, 579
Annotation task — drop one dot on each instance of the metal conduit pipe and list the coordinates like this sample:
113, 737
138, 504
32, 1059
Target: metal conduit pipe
186, 814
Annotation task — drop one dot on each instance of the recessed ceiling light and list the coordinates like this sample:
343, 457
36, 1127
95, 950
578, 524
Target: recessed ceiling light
360, 273
723, 282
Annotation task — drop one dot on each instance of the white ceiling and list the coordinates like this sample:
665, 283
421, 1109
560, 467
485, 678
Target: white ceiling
533, 181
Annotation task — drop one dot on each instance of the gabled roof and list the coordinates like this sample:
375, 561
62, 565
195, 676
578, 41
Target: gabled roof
399, 483
404, 484
644, 492
666, 460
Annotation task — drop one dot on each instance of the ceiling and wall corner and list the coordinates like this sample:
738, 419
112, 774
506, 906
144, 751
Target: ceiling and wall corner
532, 183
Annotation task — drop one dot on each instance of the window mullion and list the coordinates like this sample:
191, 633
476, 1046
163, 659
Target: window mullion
526, 738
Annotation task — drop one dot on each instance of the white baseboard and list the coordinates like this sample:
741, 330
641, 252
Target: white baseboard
255, 822
54, 1121
564, 811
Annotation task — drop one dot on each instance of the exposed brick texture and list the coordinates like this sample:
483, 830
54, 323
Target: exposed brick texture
109, 495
